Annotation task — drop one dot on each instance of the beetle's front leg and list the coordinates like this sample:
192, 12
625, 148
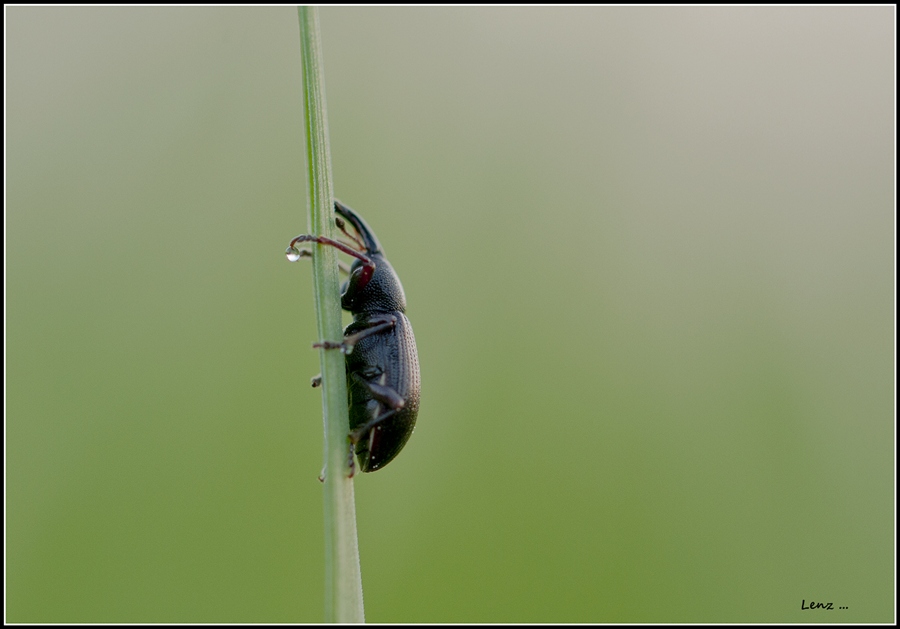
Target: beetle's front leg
374, 325
295, 254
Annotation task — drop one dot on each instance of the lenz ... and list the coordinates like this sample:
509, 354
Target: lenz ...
381, 359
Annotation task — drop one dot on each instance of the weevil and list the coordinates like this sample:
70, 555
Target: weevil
381, 359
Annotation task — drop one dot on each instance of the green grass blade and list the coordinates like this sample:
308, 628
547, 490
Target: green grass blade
343, 583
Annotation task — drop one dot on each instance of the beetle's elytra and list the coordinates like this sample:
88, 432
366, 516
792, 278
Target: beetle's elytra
382, 362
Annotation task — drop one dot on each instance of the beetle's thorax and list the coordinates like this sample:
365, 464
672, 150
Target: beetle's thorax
382, 293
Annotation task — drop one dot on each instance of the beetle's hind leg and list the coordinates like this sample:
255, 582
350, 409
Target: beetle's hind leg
357, 434
389, 398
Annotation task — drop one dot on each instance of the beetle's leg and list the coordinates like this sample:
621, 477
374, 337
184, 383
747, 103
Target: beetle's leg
386, 395
377, 323
358, 278
358, 433
306, 253
316, 381
324, 240
391, 400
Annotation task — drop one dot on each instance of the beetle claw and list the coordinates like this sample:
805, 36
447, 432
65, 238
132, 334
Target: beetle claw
351, 463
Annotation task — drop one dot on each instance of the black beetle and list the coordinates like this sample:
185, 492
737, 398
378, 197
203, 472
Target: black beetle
382, 362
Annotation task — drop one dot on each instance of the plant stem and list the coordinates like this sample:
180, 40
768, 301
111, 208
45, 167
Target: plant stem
343, 583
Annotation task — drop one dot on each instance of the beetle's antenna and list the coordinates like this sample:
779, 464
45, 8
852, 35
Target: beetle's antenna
341, 225
365, 232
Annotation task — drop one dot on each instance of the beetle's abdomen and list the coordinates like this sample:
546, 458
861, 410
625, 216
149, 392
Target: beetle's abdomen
386, 359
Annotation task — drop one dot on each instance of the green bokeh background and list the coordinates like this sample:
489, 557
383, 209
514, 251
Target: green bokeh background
649, 259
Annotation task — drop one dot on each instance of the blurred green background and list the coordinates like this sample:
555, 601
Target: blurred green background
649, 259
